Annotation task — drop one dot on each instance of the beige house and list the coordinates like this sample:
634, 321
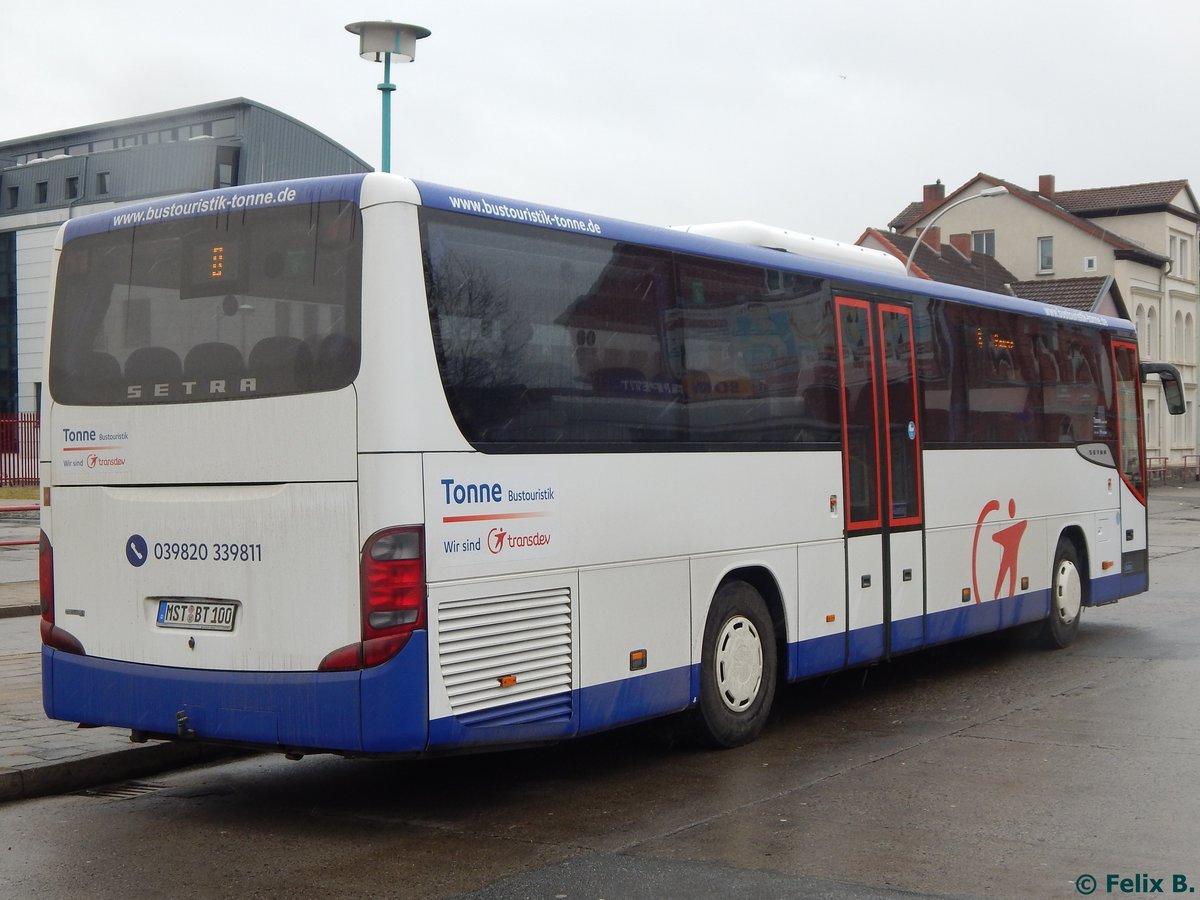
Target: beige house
1143, 237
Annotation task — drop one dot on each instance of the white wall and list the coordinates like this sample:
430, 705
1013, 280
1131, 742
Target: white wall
33, 298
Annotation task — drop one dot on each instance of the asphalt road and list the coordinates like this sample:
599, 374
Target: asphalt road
984, 769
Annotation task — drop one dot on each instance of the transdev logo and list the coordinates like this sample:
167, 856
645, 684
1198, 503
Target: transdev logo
488, 515
93, 449
1009, 541
499, 539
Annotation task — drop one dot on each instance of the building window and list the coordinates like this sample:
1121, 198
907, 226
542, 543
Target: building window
223, 128
1045, 250
983, 242
1181, 430
101, 182
227, 167
42, 191
73, 187
14, 196
79, 149
1181, 253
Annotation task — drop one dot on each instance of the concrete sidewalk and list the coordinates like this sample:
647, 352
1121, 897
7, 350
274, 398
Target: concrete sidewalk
39, 755
42, 756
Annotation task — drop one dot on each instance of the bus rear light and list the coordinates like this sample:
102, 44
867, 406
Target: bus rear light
392, 584
52, 636
46, 577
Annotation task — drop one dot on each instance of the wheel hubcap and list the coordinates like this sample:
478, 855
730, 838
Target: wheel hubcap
1068, 591
739, 663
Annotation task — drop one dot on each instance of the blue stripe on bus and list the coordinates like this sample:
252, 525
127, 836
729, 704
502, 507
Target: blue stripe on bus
865, 645
384, 709
816, 656
908, 634
377, 710
395, 700
569, 713
1113, 588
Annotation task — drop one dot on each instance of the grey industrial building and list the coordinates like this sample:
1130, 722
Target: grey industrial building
49, 178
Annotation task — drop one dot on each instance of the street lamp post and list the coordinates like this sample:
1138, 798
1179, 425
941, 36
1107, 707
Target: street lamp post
997, 191
379, 42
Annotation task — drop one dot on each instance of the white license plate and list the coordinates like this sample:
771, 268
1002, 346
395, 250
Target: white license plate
204, 615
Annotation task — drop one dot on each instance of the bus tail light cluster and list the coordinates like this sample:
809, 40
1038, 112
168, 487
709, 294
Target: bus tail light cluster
392, 586
52, 636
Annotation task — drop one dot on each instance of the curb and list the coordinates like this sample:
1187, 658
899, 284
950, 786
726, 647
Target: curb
86, 772
11, 612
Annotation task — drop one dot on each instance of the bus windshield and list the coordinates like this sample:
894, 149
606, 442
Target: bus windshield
261, 302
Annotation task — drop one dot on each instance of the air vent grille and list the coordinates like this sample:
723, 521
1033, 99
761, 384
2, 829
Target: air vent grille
512, 649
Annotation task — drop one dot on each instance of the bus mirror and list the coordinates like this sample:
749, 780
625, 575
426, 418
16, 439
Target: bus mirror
1172, 386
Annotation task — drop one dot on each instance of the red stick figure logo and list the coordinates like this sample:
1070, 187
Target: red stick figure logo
495, 541
1009, 540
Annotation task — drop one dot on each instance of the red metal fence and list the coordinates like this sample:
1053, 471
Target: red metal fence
19, 435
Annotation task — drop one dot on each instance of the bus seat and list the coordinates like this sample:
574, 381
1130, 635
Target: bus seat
281, 363
213, 360
94, 374
97, 365
153, 364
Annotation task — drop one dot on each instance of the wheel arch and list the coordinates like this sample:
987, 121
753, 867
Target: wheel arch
1074, 534
763, 580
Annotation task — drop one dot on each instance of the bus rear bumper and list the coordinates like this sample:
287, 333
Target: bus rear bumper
379, 710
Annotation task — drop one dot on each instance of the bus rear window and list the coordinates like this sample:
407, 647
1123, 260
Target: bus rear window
262, 302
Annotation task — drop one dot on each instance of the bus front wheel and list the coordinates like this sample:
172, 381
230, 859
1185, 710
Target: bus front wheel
1066, 597
737, 667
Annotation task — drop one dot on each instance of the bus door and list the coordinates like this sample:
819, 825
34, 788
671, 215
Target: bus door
1131, 460
882, 486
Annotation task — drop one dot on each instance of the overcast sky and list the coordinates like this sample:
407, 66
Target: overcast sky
824, 117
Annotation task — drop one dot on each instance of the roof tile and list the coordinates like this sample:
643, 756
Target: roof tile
1123, 198
1075, 293
980, 271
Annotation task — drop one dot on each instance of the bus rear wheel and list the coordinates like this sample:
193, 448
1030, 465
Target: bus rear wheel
1067, 588
737, 668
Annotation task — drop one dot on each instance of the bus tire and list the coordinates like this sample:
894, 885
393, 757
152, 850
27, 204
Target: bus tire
737, 668
1067, 589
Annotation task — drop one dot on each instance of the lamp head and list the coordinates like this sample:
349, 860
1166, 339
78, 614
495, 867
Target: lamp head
377, 38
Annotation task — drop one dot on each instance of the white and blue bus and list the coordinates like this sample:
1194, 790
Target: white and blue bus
370, 466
